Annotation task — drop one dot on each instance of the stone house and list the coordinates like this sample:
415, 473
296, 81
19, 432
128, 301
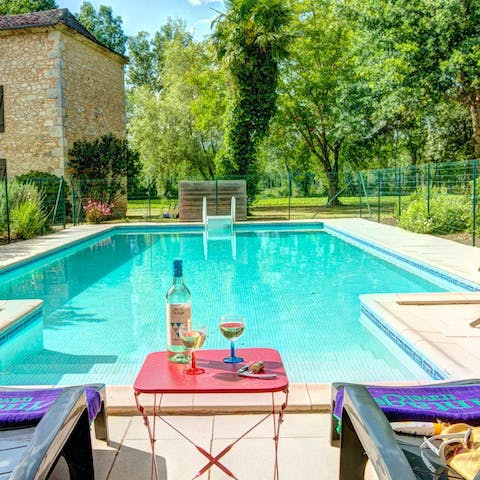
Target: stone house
58, 84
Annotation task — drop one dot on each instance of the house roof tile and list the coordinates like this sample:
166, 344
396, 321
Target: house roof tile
46, 18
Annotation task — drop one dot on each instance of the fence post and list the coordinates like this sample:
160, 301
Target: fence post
428, 190
64, 208
7, 208
474, 205
149, 208
216, 196
399, 191
289, 192
378, 194
359, 194
72, 181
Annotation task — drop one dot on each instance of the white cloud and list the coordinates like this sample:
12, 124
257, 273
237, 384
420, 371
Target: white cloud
199, 3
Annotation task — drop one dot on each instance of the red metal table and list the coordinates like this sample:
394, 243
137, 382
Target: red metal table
158, 377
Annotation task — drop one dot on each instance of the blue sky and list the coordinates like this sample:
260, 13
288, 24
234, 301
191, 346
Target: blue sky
150, 15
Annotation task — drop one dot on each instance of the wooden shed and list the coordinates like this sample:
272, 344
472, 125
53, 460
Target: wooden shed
219, 194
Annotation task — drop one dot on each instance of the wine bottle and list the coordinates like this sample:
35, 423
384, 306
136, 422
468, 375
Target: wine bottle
179, 311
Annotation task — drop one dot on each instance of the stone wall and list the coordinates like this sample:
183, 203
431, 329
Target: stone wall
32, 139
58, 87
93, 101
93, 90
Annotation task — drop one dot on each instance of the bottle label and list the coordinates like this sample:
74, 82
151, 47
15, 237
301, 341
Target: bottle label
177, 314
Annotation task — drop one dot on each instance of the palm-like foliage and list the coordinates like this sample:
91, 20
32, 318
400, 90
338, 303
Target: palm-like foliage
251, 38
251, 23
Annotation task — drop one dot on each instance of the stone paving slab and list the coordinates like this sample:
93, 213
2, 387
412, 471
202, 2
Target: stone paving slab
304, 448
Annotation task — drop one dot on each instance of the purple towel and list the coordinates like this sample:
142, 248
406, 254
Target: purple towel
27, 407
449, 403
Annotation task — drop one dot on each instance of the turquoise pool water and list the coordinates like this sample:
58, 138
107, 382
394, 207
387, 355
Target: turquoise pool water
104, 307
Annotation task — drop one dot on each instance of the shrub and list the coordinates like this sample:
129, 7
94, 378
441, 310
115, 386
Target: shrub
448, 213
48, 185
96, 211
27, 218
103, 165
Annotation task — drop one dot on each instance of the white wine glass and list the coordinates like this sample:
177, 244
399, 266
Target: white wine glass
232, 327
192, 336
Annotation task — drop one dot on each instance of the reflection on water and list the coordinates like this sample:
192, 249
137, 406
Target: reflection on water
215, 244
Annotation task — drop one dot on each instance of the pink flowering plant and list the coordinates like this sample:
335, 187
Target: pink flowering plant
96, 211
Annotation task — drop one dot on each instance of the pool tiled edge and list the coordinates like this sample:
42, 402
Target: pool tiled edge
19, 317
438, 341
369, 313
403, 260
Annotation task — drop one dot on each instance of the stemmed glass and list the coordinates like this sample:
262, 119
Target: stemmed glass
192, 337
232, 327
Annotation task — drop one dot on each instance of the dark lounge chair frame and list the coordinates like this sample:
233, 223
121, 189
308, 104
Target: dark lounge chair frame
366, 434
63, 432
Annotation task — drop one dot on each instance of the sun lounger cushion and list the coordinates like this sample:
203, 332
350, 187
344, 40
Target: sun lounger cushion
452, 403
27, 407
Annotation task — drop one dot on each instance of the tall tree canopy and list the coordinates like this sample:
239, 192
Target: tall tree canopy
251, 38
178, 130
147, 54
104, 25
430, 49
319, 98
14, 7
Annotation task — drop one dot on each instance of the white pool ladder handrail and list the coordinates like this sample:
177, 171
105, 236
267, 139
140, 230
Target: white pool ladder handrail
233, 209
204, 211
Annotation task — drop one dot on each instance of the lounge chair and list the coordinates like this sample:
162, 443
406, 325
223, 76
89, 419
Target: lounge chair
366, 434
33, 442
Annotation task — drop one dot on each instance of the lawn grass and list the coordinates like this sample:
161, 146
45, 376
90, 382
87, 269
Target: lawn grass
278, 208
295, 208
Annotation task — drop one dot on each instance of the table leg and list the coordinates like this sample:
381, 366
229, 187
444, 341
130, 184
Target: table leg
151, 433
277, 421
214, 459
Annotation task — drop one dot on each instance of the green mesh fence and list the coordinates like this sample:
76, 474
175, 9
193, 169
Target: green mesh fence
439, 199
31, 207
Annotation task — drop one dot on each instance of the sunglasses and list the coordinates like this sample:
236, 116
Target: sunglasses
446, 446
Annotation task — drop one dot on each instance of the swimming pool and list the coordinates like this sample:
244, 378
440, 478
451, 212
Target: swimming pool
104, 307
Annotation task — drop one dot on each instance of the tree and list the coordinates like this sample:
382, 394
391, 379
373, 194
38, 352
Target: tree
285, 152
14, 7
432, 49
147, 55
178, 131
251, 39
103, 165
320, 94
104, 26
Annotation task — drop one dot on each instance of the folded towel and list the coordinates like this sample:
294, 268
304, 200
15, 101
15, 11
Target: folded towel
446, 403
27, 407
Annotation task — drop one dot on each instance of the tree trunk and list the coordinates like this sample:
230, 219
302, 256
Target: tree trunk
332, 179
474, 106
